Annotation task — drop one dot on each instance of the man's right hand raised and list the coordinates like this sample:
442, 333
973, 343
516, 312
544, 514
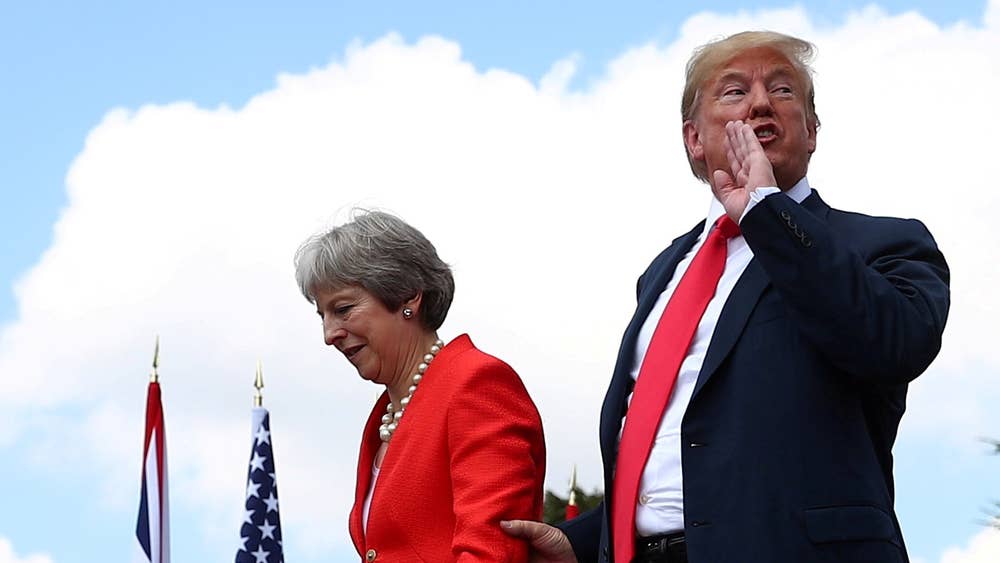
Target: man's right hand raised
548, 544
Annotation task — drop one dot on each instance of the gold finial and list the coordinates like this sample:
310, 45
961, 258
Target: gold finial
572, 488
258, 399
154, 376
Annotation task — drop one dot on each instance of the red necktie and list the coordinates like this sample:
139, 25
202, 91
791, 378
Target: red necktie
666, 351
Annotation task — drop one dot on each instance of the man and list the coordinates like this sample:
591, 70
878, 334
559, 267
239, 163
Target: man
760, 384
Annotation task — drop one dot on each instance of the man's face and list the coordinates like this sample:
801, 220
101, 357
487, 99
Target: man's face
761, 88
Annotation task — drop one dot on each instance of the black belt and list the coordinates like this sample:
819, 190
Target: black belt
665, 548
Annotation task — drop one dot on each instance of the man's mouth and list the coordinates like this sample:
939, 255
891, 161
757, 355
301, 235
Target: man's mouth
765, 133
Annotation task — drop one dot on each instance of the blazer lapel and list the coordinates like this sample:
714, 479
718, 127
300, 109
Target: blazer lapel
741, 303
369, 446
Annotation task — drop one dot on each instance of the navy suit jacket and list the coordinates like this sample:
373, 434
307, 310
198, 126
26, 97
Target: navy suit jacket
787, 440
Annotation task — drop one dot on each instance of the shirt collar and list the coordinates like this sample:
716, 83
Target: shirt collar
799, 192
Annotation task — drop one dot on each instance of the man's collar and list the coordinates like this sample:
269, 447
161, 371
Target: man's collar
799, 192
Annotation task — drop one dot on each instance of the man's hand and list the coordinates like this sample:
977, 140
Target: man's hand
548, 544
749, 169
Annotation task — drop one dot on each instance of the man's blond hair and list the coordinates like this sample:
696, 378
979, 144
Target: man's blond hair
708, 58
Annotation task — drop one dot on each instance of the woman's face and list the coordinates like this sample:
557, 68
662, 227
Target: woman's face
368, 334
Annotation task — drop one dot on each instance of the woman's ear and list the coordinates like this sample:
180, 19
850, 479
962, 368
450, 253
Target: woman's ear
413, 303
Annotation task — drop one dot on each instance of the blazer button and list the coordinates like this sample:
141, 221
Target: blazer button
370, 556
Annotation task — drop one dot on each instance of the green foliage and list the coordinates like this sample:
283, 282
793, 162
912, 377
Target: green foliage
993, 512
554, 511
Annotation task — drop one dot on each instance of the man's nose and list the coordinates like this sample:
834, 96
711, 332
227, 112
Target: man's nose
760, 102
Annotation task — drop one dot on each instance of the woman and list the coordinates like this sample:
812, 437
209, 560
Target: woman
454, 444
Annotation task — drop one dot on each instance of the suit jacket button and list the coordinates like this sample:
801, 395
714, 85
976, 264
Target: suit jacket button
371, 555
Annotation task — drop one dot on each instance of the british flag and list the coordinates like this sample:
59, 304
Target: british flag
260, 533
152, 531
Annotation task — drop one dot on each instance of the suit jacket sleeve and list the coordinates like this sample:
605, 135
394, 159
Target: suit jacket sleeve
870, 294
584, 534
496, 447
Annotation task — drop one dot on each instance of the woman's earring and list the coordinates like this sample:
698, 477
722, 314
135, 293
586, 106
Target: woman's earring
407, 313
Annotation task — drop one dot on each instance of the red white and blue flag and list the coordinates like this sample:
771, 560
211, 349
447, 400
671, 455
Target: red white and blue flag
152, 531
260, 534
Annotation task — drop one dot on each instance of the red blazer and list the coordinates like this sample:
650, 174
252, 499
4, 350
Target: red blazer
468, 452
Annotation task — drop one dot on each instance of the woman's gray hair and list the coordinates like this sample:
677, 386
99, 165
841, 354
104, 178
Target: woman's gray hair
383, 254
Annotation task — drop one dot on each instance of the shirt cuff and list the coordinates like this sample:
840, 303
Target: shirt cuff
756, 197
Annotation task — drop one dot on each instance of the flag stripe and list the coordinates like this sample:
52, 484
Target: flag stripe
260, 533
153, 527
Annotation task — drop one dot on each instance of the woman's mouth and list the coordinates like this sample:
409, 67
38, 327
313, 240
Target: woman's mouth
352, 351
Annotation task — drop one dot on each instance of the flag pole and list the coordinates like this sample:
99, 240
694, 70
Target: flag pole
572, 510
258, 398
154, 377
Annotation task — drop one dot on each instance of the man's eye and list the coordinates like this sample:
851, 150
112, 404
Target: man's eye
783, 90
733, 92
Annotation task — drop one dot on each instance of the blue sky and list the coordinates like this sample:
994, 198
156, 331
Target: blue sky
68, 64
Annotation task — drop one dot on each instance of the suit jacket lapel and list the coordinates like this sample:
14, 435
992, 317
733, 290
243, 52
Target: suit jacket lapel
735, 313
740, 304
654, 282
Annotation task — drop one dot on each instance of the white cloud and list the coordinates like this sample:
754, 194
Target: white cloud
983, 548
7, 554
182, 222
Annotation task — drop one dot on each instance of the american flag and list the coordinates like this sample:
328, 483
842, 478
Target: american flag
260, 534
152, 531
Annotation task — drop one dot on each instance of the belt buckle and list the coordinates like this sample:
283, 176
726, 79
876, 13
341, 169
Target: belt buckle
667, 548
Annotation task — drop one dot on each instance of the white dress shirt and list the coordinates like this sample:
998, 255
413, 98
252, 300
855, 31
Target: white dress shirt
660, 506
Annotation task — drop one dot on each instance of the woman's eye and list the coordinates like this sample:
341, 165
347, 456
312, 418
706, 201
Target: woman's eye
343, 309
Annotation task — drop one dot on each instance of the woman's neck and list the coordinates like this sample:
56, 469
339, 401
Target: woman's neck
413, 355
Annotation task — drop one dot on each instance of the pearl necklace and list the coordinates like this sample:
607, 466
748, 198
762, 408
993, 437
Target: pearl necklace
390, 420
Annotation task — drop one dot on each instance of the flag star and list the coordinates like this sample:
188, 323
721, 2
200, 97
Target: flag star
260, 554
263, 436
252, 489
243, 541
271, 502
257, 462
247, 517
267, 530
271, 475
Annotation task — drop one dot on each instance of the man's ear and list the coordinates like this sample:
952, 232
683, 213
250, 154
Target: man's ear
812, 126
692, 141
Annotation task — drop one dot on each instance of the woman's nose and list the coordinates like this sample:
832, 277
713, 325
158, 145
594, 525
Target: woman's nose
332, 332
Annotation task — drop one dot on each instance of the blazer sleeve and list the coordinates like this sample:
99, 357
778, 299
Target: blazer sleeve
871, 294
497, 455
